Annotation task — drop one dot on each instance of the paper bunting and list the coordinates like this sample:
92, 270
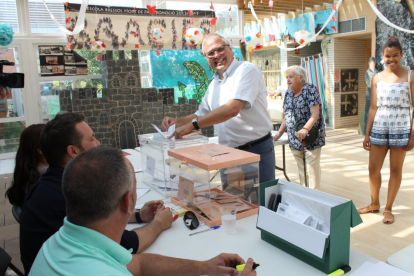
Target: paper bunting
98, 58
67, 20
334, 18
272, 37
66, 4
156, 34
211, 7
67, 10
231, 19
136, 46
333, 27
151, 9
158, 52
334, 7
191, 21
98, 47
230, 8
194, 36
302, 37
134, 8
190, 12
69, 47
270, 3
213, 21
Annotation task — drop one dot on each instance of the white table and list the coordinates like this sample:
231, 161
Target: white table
246, 242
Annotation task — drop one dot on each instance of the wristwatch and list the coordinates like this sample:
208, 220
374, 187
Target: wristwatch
137, 216
195, 123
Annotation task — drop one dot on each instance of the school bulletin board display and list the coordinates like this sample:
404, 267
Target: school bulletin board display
133, 28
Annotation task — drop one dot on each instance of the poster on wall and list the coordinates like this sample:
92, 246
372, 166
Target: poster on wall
55, 60
187, 72
304, 21
136, 28
320, 19
349, 80
349, 105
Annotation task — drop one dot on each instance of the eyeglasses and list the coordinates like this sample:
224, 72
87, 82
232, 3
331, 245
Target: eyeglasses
190, 220
219, 50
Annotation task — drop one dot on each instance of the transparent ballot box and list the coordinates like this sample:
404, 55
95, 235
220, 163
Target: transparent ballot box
213, 176
155, 160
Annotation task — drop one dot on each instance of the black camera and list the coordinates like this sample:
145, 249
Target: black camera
12, 80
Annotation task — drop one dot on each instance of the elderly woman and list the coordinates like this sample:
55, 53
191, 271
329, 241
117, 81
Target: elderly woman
303, 105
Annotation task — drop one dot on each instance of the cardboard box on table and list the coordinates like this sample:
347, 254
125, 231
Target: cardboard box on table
324, 252
155, 160
212, 176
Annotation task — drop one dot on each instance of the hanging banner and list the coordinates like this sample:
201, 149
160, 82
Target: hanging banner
132, 28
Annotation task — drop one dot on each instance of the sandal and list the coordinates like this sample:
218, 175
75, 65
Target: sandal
387, 220
367, 209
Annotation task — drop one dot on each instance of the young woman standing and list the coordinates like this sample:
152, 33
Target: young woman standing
389, 126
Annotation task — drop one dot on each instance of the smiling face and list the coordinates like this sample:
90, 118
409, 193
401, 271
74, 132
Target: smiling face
392, 57
221, 60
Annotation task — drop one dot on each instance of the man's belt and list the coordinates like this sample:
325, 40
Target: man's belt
254, 142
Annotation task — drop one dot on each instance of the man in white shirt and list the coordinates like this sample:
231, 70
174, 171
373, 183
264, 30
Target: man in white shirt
235, 103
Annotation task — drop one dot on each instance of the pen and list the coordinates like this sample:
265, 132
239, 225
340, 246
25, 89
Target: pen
212, 228
240, 268
341, 271
175, 217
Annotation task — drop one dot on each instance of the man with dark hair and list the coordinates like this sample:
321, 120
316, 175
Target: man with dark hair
88, 242
44, 208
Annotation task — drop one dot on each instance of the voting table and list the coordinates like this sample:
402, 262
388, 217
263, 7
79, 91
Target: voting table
246, 241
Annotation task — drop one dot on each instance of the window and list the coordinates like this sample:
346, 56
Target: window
130, 81
104, 119
8, 14
145, 64
40, 20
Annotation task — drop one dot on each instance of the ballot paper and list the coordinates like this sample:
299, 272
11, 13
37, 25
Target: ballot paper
141, 191
165, 135
379, 269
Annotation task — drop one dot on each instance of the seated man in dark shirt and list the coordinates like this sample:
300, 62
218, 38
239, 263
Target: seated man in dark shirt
44, 209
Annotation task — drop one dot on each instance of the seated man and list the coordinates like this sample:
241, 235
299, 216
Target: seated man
88, 242
44, 208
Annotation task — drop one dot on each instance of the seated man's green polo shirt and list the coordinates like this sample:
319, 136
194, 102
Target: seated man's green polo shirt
77, 250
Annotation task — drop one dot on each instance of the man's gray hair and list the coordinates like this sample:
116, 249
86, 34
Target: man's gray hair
94, 183
211, 35
298, 71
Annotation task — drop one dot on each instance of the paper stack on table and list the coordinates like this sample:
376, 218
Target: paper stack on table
379, 269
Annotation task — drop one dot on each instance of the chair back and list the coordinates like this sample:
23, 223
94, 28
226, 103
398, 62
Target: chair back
16, 210
5, 262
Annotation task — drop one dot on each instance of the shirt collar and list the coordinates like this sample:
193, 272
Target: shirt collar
91, 237
227, 73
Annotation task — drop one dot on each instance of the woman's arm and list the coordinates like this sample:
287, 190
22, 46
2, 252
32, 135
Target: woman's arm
410, 144
281, 130
371, 113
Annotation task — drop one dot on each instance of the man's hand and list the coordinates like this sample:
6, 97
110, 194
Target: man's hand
167, 122
163, 217
149, 209
248, 269
223, 264
182, 130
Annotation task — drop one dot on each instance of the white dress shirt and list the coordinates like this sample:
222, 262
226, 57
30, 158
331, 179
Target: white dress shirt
242, 81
